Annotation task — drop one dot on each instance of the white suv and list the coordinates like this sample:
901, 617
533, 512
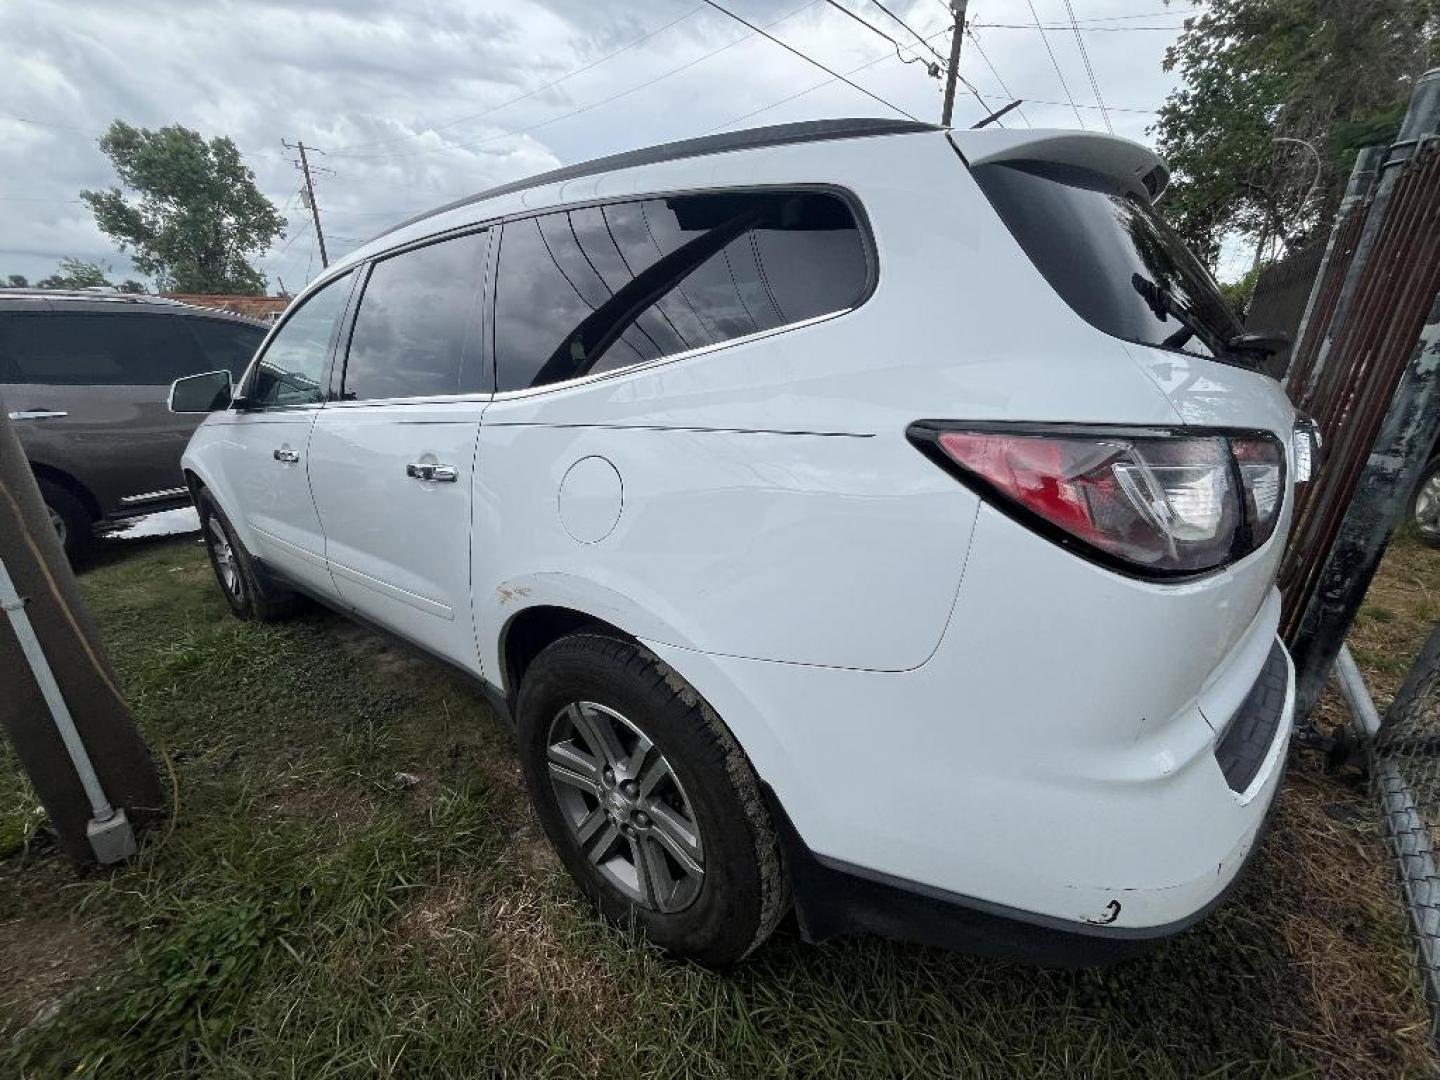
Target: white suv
857, 514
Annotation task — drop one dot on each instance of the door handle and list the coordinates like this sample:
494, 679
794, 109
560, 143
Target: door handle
37, 414
287, 455
434, 474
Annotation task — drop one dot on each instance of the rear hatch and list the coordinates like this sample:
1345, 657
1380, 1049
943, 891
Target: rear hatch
1082, 207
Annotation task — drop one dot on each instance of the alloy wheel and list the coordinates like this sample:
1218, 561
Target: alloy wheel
225, 563
1427, 506
625, 807
59, 524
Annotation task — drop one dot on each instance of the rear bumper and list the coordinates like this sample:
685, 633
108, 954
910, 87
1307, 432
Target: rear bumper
833, 898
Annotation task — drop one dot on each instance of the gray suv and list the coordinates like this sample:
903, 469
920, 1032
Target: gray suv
84, 377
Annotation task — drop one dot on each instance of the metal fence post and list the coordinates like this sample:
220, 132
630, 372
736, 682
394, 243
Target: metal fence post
1408, 430
1357, 194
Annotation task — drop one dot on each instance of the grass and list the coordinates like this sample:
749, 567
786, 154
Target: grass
352, 884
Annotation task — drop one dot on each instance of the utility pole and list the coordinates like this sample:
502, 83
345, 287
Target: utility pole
310, 197
956, 37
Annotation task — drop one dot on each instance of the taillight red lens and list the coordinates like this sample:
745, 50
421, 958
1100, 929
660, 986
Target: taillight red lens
1164, 504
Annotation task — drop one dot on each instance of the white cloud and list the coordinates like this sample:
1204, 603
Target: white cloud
415, 101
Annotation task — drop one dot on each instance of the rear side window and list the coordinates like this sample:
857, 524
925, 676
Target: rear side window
604, 287
418, 324
289, 371
95, 349
1111, 257
225, 345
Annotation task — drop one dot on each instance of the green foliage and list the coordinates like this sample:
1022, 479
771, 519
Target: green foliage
1336, 75
1238, 293
197, 216
79, 274
17, 281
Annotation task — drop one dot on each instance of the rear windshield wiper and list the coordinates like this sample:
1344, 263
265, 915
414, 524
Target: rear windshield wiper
1165, 306
1264, 342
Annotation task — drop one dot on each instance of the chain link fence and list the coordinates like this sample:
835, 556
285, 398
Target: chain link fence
1405, 765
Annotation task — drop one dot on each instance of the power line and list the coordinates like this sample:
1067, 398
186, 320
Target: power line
809, 90
1054, 63
603, 101
344, 151
909, 31
974, 40
876, 30
1090, 71
808, 59
1066, 26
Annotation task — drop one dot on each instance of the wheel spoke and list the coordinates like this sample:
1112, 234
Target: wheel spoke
589, 825
604, 840
569, 757
636, 761
678, 835
646, 881
594, 727
574, 779
655, 771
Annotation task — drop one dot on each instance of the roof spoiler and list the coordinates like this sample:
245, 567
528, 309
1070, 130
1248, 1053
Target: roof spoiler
1135, 167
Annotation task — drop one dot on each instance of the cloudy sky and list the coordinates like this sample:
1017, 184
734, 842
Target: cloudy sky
421, 102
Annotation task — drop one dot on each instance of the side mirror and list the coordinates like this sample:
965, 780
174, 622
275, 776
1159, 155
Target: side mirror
206, 393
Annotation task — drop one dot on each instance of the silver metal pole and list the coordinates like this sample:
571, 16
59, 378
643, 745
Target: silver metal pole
109, 832
1357, 696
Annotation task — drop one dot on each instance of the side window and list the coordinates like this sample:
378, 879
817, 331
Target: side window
225, 345
417, 331
289, 371
126, 348
598, 288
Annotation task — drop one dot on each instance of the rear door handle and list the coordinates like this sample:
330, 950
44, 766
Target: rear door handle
37, 414
434, 474
287, 455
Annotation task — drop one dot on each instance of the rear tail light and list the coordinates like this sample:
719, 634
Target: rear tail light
1157, 503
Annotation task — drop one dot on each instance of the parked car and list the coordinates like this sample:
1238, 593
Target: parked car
84, 377
858, 514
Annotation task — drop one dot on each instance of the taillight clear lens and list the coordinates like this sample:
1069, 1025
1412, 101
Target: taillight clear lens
1262, 471
1166, 505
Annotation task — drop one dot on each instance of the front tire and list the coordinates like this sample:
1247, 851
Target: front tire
71, 520
648, 799
235, 571
1425, 504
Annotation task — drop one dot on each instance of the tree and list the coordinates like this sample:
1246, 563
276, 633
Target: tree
17, 281
1335, 75
197, 217
79, 274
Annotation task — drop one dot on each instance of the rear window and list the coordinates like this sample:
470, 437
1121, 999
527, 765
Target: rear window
95, 349
1111, 257
605, 287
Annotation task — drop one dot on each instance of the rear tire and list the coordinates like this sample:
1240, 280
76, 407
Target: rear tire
235, 571
71, 518
1425, 504
661, 823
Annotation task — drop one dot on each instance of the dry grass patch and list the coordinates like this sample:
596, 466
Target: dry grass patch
330, 805
1357, 1006
540, 973
41, 958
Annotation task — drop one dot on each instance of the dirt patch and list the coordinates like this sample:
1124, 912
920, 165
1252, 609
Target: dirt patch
382, 655
537, 970
440, 924
42, 957
334, 805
